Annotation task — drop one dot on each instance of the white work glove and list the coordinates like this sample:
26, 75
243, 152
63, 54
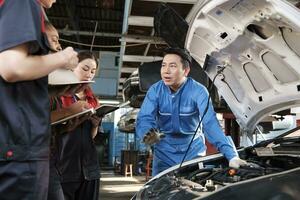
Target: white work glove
236, 162
153, 136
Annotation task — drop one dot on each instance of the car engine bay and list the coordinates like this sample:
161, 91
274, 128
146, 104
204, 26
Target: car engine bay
200, 180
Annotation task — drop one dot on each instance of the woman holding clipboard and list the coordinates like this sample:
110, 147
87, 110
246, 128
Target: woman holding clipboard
73, 152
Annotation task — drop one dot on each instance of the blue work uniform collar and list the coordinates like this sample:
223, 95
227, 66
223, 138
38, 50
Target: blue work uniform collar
179, 89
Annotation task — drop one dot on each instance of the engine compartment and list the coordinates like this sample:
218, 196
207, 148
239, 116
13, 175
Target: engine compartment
201, 180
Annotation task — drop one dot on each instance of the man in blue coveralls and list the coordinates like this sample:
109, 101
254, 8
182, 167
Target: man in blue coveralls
174, 106
24, 107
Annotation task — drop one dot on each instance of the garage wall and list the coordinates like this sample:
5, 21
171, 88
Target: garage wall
106, 78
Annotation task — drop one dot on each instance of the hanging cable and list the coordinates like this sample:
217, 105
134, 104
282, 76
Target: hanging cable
220, 71
94, 34
98, 46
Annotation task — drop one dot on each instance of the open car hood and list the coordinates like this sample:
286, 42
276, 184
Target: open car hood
255, 45
273, 169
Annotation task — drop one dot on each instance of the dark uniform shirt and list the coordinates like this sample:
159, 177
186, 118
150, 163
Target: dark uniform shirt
24, 107
77, 157
74, 154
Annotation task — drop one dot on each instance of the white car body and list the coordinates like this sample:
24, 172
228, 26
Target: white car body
261, 67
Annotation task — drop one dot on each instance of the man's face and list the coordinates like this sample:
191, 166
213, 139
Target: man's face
172, 71
52, 36
47, 3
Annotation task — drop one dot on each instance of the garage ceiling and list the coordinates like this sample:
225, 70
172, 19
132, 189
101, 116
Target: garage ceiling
121, 26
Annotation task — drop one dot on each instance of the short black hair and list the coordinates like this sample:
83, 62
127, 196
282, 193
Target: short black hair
185, 56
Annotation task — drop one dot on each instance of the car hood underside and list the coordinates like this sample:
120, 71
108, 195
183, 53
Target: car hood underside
255, 45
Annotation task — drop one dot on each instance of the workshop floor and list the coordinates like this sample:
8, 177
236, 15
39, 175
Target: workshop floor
118, 187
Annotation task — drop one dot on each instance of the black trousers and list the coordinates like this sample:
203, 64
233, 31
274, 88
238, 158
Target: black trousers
81, 190
24, 180
55, 191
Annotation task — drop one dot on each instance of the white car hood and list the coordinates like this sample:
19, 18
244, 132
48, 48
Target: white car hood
258, 43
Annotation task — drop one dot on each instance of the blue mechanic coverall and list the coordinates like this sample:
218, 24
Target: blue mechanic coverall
177, 116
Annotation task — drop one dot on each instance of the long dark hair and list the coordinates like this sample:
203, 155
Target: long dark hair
82, 55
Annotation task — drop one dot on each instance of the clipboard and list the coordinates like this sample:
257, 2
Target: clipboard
105, 109
64, 120
99, 111
108, 108
62, 80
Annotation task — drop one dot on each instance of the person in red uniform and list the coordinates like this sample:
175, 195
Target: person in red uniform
74, 154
